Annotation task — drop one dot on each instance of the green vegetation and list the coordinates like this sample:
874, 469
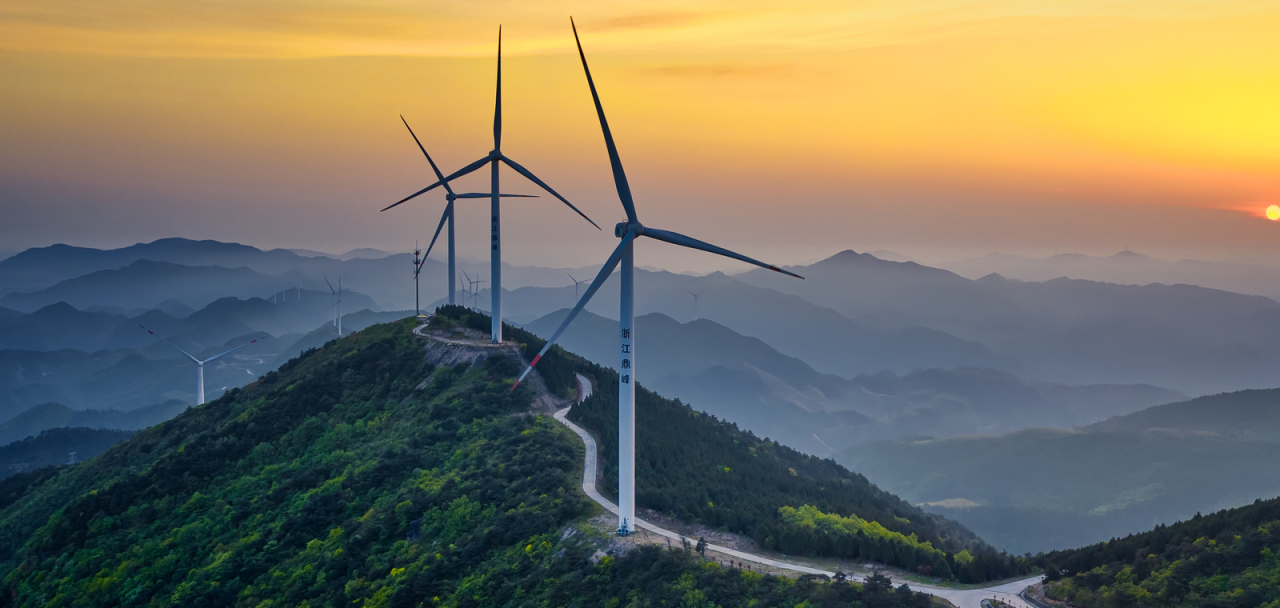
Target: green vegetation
1225, 560
335, 481
808, 529
702, 469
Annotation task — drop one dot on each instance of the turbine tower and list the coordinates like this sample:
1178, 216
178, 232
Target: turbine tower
450, 196
576, 283
493, 159
199, 363
628, 231
417, 269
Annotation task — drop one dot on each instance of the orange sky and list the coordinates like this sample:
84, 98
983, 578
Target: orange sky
796, 128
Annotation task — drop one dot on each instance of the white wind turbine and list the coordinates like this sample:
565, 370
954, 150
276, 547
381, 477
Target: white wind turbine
628, 231
337, 303
199, 363
493, 159
695, 302
450, 196
576, 283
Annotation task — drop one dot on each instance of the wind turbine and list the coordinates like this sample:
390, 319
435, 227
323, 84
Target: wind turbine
450, 196
337, 303
199, 363
628, 231
576, 283
495, 157
695, 302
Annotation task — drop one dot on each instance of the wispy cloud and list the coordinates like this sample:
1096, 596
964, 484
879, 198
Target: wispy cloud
652, 20
723, 70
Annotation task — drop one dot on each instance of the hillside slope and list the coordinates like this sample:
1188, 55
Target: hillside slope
358, 474
1227, 559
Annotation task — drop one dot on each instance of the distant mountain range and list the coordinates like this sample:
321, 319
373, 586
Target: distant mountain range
744, 380
1193, 339
56, 447
1126, 268
1038, 489
46, 416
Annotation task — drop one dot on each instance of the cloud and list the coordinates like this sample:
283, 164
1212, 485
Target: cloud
655, 20
723, 70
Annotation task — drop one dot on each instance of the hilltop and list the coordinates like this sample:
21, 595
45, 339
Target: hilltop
364, 473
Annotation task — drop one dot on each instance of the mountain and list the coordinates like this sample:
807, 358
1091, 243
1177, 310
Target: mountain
1191, 339
1126, 268
1039, 489
41, 418
362, 474
821, 337
1228, 558
1245, 415
744, 380
57, 447
146, 284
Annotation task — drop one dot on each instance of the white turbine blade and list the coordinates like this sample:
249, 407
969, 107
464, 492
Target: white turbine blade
488, 195
455, 175
533, 178
234, 349
497, 106
439, 175
603, 276
619, 176
326, 282
175, 346
692, 243
444, 218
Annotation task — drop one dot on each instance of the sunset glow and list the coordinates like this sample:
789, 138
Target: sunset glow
278, 107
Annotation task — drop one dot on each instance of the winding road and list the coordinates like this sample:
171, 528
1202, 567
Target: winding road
962, 598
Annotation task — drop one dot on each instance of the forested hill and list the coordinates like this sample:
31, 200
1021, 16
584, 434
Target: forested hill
355, 475
698, 468
1227, 559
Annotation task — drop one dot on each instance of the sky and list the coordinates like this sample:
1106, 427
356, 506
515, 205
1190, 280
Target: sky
784, 130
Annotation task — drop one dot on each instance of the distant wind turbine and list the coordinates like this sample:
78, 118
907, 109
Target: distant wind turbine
628, 231
493, 159
337, 303
695, 303
576, 283
199, 363
447, 217
417, 268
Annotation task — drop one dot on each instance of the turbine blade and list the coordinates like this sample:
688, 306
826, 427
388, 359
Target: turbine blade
488, 195
439, 175
175, 346
234, 349
533, 178
443, 218
601, 277
326, 282
692, 243
619, 176
497, 106
455, 175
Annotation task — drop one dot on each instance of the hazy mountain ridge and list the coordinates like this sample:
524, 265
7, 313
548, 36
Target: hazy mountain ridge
1159, 465
1189, 338
40, 418
1126, 268
56, 447
744, 380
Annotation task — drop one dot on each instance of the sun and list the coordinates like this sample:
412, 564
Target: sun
1273, 212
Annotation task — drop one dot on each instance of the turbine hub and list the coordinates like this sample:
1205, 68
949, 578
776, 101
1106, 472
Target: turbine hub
623, 228
494, 154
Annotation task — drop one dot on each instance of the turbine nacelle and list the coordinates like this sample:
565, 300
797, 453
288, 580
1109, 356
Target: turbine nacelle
635, 228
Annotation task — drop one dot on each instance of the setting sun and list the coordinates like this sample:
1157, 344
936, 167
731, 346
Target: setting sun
1273, 212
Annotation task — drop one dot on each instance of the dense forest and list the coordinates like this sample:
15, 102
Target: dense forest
355, 475
698, 468
1229, 559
